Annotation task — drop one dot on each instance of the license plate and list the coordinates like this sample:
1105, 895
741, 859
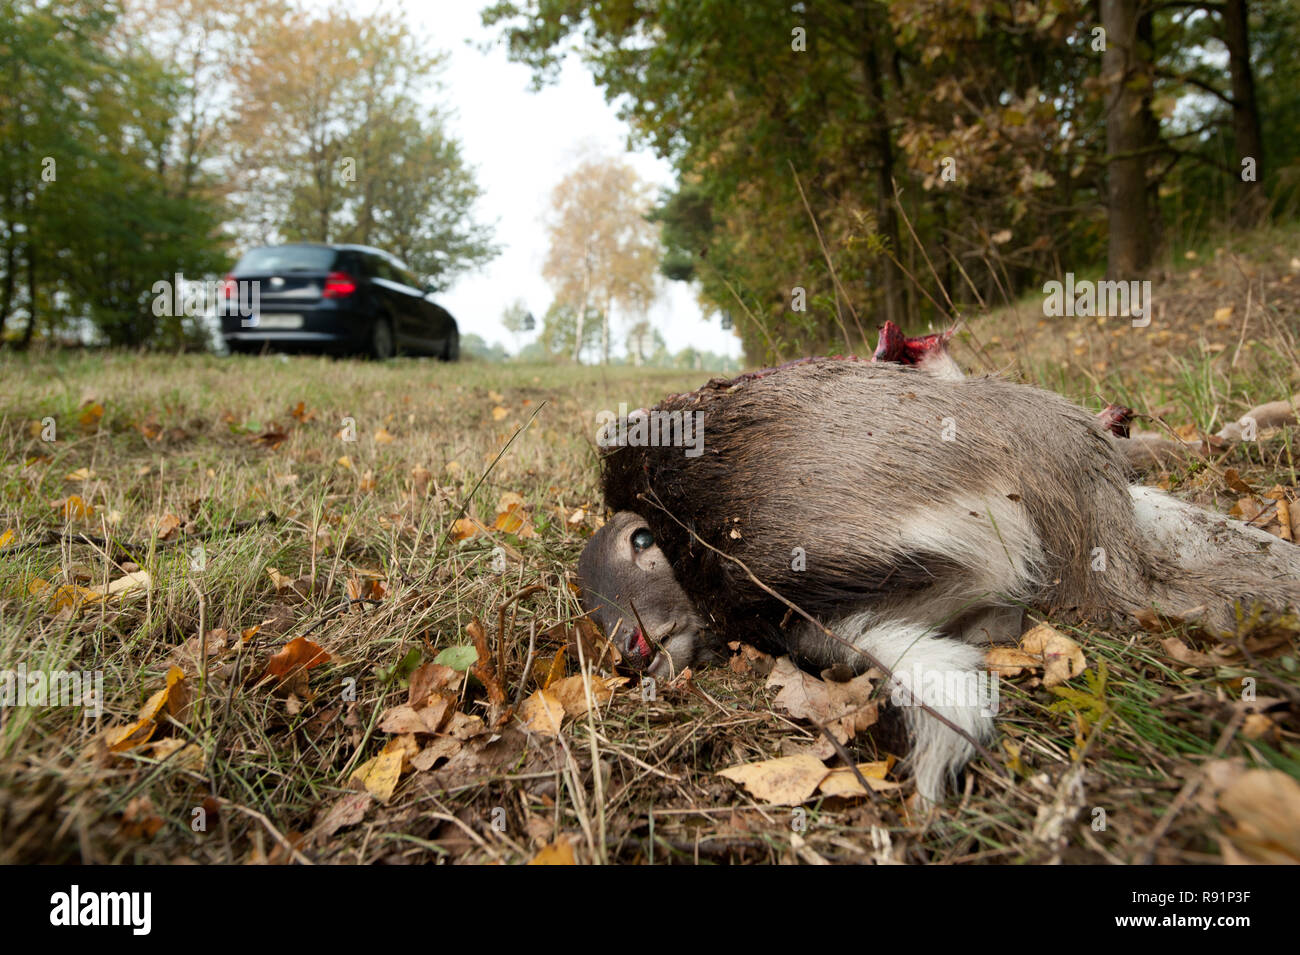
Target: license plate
273, 322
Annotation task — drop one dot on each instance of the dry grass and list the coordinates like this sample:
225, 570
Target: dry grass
224, 446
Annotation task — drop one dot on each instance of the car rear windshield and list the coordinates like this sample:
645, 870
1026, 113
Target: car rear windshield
286, 258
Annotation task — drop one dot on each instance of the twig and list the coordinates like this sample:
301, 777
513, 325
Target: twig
501, 624
848, 760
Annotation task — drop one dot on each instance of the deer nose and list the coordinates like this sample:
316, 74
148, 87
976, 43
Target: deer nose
637, 649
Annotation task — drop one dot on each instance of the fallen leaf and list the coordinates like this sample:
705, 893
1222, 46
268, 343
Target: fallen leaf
1060, 657
572, 693
844, 708
347, 811
172, 698
787, 781
542, 713
298, 655
91, 412
559, 852
139, 821
842, 782
1265, 805
73, 507
380, 775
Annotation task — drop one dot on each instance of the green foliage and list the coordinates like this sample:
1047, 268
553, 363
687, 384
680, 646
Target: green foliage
89, 216
948, 151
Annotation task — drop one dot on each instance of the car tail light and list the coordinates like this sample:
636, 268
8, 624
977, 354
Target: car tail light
339, 285
229, 287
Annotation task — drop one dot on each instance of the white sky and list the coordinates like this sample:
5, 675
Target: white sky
521, 144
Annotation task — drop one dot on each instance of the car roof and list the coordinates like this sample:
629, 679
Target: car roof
337, 246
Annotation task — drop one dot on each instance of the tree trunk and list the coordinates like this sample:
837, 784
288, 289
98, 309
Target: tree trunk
1125, 80
1249, 205
7, 284
604, 332
875, 28
31, 298
582, 315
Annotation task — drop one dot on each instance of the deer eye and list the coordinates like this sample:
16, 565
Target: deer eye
642, 538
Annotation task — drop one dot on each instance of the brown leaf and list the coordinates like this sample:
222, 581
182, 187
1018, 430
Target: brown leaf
844, 708
402, 719
1265, 805
1233, 480
347, 811
429, 678
299, 655
444, 747
139, 821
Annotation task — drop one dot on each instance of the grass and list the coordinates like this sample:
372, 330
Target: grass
229, 482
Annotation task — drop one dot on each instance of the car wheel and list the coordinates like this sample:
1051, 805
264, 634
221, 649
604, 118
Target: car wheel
382, 346
451, 350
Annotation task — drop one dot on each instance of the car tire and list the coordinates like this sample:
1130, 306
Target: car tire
451, 350
382, 344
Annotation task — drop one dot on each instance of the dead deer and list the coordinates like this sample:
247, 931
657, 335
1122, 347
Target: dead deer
913, 516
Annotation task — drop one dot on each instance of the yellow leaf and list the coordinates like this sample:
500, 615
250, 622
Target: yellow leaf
542, 713
73, 507
842, 782
345, 462
557, 853
382, 436
6, 537
787, 781
380, 775
465, 528
81, 474
499, 412
571, 693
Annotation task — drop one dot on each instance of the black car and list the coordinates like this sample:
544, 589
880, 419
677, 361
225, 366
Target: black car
342, 299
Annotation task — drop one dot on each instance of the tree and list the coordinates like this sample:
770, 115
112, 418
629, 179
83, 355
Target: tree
517, 319
641, 342
564, 337
334, 144
604, 250
92, 214
922, 156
